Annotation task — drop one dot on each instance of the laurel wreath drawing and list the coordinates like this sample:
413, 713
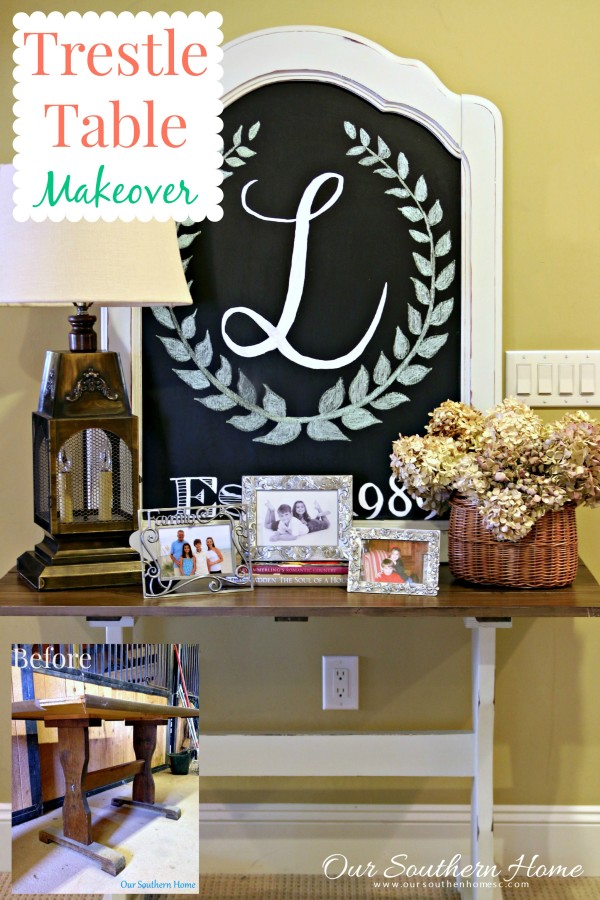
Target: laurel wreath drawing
352, 407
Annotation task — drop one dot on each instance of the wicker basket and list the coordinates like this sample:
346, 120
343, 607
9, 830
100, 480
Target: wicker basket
545, 558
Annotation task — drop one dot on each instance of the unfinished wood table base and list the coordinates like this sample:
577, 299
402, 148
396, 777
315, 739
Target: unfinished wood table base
81, 714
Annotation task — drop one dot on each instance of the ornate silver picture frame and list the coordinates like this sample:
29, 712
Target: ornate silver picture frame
298, 517
201, 550
394, 561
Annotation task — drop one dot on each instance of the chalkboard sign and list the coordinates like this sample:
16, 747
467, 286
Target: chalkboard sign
329, 313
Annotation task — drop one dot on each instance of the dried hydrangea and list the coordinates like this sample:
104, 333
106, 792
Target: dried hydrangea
462, 423
572, 451
508, 461
428, 466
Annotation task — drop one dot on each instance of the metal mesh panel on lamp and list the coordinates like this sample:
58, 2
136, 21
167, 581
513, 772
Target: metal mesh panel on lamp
41, 475
94, 478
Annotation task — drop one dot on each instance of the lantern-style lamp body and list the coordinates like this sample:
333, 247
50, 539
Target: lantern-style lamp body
86, 484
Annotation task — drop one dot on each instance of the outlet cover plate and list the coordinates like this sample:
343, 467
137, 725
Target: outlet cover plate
340, 682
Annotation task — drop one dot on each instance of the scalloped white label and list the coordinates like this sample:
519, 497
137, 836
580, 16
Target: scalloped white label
117, 116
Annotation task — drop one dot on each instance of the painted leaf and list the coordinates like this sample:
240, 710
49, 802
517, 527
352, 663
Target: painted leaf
446, 277
412, 374
413, 213
185, 223
422, 264
273, 403
237, 138
253, 131
356, 419
193, 377
324, 430
175, 349
355, 151
401, 344
164, 315
402, 166
217, 402
247, 423
399, 192
350, 130
443, 245
431, 345
234, 162
226, 174
415, 323
333, 398
435, 214
245, 388
382, 370
383, 151
421, 190
388, 401
283, 433
422, 292
441, 312
385, 173
185, 263
245, 152
203, 352
184, 240
359, 386
364, 138
368, 161
419, 236
224, 373
188, 326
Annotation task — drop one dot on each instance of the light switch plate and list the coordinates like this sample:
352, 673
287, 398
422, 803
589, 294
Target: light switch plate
554, 378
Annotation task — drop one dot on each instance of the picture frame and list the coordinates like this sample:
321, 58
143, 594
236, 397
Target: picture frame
278, 528
394, 561
194, 551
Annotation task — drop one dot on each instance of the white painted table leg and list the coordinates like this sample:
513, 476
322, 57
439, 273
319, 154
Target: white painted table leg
114, 627
483, 670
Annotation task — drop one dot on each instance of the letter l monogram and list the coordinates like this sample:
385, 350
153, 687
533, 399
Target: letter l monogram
277, 335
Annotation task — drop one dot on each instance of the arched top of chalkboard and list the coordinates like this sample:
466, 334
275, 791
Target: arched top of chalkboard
469, 127
391, 83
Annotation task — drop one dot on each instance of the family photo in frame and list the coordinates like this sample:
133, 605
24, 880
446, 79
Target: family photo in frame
201, 550
298, 517
394, 561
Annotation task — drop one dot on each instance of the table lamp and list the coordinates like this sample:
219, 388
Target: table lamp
85, 439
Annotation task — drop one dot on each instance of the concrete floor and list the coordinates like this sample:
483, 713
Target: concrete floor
155, 848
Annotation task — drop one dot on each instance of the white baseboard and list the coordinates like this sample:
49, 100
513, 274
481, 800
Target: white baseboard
5, 822
297, 838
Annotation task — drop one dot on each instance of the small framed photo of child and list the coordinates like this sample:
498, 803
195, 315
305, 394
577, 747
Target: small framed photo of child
394, 561
298, 517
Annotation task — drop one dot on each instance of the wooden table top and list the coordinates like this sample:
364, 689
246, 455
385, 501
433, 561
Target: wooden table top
454, 598
89, 706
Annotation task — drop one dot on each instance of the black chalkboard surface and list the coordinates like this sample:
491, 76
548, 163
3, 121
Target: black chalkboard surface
326, 312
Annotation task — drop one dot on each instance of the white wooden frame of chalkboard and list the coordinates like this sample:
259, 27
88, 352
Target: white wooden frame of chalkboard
469, 127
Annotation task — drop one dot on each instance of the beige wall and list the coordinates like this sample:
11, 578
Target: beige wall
538, 61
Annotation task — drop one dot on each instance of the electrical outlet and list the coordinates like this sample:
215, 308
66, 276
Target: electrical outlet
340, 682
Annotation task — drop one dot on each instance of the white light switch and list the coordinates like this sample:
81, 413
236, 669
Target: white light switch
554, 378
565, 379
587, 372
544, 372
524, 379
